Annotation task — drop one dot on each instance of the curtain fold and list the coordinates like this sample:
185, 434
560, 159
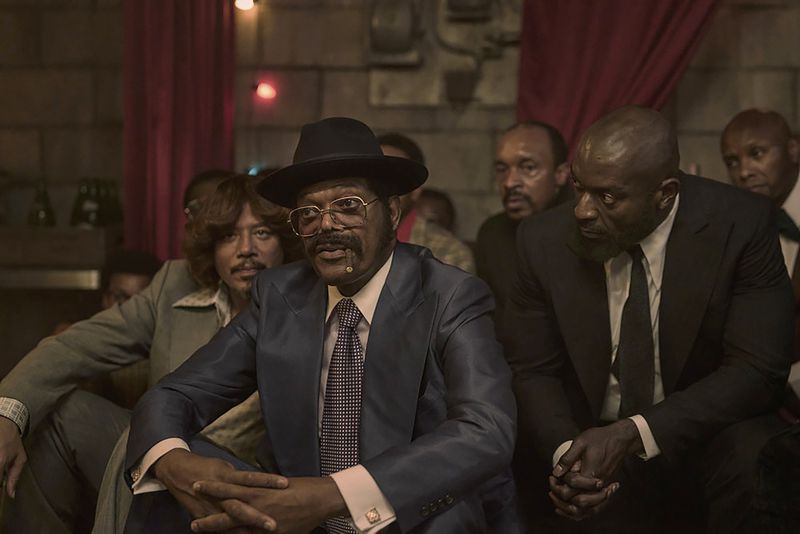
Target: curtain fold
178, 111
580, 59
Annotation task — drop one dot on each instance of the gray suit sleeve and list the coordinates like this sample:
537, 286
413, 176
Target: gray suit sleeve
476, 440
109, 340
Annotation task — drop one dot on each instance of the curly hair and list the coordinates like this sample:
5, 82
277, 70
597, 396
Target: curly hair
218, 215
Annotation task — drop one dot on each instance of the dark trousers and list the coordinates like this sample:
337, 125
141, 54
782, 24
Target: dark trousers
158, 512
711, 490
67, 455
777, 500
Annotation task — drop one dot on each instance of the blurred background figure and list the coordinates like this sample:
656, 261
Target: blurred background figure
531, 174
416, 229
125, 273
200, 187
437, 207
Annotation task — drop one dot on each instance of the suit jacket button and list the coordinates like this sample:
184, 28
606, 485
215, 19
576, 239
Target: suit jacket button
448, 499
425, 511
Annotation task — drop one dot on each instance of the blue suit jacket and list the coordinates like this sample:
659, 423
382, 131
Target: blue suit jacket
437, 417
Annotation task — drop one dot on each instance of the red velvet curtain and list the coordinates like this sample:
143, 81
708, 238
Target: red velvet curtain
178, 111
580, 59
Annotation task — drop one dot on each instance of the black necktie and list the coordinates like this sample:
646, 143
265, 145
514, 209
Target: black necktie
634, 366
786, 226
341, 413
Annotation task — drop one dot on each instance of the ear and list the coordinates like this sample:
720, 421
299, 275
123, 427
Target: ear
562, 174
793, 145
395, 211
669, 191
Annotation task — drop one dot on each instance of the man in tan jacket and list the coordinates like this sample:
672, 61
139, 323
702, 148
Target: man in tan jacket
69, 434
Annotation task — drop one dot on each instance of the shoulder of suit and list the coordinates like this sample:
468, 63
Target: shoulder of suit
175, 279
724, 199
548, 224
495, 223
287, 275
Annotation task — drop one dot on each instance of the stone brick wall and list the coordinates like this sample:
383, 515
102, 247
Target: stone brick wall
315, 52
749, 58
60, 98
61, 105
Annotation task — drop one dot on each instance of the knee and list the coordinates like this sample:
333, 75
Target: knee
78, 406
732, 456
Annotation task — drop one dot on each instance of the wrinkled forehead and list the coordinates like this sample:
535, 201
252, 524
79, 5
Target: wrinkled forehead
328, 190
740, 136
530, 139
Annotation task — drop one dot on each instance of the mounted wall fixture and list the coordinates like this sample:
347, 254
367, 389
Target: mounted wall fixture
393, 33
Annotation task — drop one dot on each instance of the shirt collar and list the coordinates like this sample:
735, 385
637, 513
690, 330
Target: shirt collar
366, 299
207, 297
792, 204
654, 246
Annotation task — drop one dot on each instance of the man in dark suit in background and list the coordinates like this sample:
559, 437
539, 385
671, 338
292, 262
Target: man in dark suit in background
531, 172
385, 396
650, 335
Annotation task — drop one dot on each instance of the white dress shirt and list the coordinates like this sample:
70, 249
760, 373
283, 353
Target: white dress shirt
369, 509
790, 250
792, 208
618, 280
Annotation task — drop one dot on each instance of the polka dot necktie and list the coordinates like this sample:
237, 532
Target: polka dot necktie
341, 414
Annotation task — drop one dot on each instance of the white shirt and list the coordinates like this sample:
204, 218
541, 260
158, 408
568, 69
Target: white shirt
369, 509
790, 249
618, 280
792, 208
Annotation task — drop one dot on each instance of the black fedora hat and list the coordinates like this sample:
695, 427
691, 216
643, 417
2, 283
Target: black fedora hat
340, 147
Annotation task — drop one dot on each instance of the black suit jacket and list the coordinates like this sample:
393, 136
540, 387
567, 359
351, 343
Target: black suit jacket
725, 330
437, 416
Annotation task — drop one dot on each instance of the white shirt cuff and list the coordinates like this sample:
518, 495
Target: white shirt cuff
651, 449
794, 378
143, 480
564, 447
369, 509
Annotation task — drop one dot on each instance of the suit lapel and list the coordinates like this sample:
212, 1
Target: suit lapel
289, 378
694, 251
395, 357
585, 324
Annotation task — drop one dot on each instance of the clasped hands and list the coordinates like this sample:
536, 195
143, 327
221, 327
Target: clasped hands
580, 484
221, 498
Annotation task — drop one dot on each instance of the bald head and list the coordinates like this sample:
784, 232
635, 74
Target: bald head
633, 141
760, 153
625, 175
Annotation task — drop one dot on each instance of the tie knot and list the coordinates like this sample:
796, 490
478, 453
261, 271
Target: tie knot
635, 253
348, 313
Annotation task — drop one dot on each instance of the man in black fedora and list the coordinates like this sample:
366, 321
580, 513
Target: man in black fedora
385, 396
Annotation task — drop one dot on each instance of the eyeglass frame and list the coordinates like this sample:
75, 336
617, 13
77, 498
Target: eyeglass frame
330, 214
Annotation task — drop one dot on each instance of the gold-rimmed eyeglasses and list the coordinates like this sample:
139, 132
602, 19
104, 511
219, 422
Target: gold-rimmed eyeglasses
345, 212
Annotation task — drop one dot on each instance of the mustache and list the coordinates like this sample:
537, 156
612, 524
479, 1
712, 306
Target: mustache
248, 264
516, 194
335, 239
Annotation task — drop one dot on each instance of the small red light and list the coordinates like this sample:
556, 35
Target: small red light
266, 91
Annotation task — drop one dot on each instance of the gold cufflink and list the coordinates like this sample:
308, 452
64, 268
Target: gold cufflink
373, 516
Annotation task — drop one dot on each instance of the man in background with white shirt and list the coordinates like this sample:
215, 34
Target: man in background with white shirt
649, 336
762, 156
384, 393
